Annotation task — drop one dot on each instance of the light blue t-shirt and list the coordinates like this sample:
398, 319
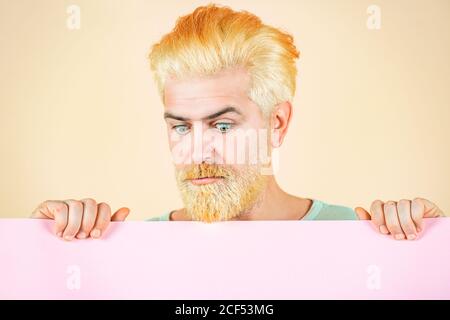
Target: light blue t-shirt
319, 211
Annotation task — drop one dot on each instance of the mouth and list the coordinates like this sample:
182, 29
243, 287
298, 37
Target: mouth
204, 180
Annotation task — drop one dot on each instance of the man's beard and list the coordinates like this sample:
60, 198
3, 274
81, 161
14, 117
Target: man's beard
236, 192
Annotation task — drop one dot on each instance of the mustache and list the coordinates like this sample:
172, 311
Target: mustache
205, 170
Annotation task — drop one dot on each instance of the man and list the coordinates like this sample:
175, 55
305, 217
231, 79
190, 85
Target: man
226, 78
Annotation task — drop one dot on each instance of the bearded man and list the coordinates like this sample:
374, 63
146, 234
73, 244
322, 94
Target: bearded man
227, 81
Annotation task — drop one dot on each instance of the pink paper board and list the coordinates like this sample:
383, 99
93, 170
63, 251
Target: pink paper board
231, 260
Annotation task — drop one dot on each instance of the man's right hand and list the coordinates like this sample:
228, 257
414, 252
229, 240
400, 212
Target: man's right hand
81, 219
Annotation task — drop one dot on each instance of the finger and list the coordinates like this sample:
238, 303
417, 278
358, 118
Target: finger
430, 209
102, 221
362, 213
406, 221
417, 213
53, 209
120, 214
376, 210
74, 219
61, 216
42, 212
89, 217
46, 209
392, 222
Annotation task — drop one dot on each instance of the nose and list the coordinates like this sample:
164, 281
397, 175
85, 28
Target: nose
202, 149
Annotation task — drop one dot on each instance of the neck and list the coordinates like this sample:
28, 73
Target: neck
276, 204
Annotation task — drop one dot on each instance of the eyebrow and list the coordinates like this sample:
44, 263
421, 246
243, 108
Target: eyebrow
227, 109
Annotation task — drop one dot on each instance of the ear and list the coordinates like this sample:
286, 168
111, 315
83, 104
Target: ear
280, 119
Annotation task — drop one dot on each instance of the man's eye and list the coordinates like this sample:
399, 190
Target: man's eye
181, 129
223, 127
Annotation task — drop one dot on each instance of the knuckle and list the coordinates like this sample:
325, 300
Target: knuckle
376, 203
417, 199
59, 210
58, 207
390, 203
104, 204
77, 205
106, 209
89, 202
376, 208
74, 204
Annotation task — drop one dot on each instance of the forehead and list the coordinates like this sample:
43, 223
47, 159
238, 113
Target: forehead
226, 87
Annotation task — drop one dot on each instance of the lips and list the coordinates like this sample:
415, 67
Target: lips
204, 180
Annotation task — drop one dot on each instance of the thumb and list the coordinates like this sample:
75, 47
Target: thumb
429, 209
121, 214
362, 213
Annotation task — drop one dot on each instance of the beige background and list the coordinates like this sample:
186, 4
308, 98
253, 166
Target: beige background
80, 116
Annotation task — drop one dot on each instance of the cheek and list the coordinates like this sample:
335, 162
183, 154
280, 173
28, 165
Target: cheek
180, 147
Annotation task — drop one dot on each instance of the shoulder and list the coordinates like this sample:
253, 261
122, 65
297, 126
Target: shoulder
324, 211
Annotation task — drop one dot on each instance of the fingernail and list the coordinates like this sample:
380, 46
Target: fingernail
399, 236
96, 233
384, 230
68, 238
81, 235
411, 236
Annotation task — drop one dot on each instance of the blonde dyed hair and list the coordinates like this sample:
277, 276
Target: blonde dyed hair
214, 38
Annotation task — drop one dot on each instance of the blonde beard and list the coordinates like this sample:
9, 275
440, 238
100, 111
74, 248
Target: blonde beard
225, 199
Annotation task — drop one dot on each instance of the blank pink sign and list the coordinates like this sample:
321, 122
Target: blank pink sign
231, 260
